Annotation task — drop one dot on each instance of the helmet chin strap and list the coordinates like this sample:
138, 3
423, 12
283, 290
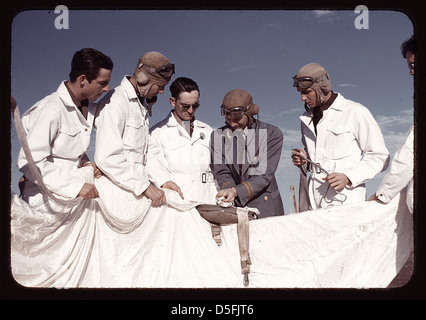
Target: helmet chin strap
150, 104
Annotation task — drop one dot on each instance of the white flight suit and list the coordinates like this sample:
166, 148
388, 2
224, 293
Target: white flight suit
348, 141
173, 155
58, 136
400, 174
122, 134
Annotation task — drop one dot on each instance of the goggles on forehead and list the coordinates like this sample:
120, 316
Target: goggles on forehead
233, 113
165, 72
306, 82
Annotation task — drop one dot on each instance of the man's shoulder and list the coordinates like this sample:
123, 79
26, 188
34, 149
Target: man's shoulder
113, 101
349, 105
222, 128
269, 126
110, 96
204, 125
51, 104
159, 125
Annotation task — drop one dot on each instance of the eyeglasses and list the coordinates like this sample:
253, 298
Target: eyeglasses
306, 82
233, 113
165, 72
187, 106
411, 66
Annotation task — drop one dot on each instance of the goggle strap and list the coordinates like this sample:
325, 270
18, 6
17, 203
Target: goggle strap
317, 79
158, 70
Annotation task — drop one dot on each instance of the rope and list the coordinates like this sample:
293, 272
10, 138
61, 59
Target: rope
31, 164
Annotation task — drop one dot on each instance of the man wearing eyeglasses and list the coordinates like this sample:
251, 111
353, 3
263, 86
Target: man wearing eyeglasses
399, 179
401, 171
179, 149
341, 136
123, 133
245, 155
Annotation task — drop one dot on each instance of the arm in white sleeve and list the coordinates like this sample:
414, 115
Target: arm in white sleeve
400, 173
157, 172
375, 154
43, 128
109, 154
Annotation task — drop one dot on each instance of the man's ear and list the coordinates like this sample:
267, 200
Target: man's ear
82, 79
172, 102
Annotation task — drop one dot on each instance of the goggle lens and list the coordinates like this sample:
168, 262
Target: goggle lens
166, 71
233, 113
303, 82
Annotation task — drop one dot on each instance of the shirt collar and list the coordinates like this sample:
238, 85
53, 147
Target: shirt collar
172, 122
329, 102
65, 95
128, 87
131, 92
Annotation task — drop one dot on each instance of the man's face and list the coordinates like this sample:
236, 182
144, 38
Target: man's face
410, 61
236, 124
94, 89
186, 105
309, 96
155, 90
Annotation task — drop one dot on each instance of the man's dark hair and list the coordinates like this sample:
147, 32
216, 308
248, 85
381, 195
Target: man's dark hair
182, 84
88, 61
408, 45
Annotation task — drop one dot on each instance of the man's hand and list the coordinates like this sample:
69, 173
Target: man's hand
88, 191
96, 172
155, 194
297, 160
172, 186
228, 195
337, 180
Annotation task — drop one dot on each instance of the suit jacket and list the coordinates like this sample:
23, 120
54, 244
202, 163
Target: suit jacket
252, 171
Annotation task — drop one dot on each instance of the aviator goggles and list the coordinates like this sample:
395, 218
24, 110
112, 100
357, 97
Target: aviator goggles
165, 72
233, 113
306, 82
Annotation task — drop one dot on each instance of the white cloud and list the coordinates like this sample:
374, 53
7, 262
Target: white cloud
391, 124
344, 85
395, 128
246, 66
320, 13
326, 15
268, 117
291, 110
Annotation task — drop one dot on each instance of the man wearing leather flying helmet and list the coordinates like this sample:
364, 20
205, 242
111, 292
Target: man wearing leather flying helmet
341, 136
123, 128
245, 170
152, 73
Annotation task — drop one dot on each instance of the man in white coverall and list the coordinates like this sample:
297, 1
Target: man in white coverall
402, 166
53, 230
123, 129
179, 147
58, 129
401, 173
341, 136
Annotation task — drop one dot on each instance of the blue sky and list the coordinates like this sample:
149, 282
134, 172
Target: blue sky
255, 50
